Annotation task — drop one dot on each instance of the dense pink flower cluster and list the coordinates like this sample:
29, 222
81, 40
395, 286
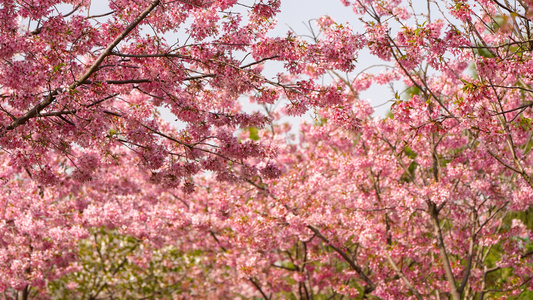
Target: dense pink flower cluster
428, 202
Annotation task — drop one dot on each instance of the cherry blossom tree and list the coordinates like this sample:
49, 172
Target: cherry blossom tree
102, 197
82, 94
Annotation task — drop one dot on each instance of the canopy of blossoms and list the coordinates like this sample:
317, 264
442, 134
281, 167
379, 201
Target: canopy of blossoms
103, 197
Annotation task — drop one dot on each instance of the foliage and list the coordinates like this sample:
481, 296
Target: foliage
103, 198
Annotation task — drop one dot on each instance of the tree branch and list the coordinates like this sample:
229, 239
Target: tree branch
94, 67
468, 265
402, 276
443, 253
119, 81
370, 285
257, 286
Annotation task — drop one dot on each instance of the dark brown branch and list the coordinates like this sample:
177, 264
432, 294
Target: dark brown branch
516, 87
94, 67
259, 288
504, 45
129, 81
503, 163
112, 113
151, 55
526, 254
199, 77
186, 57
65, 120
39, 29
33, 112
101, 100
521, 107
101, 15
416, 83
111, 46
370, 286
217, 240
402, 276
468, 268
57, 113
433, 212
509, 10
73, 111
259, 61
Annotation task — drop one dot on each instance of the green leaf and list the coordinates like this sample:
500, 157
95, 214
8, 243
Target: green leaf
484, 52
254, 133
